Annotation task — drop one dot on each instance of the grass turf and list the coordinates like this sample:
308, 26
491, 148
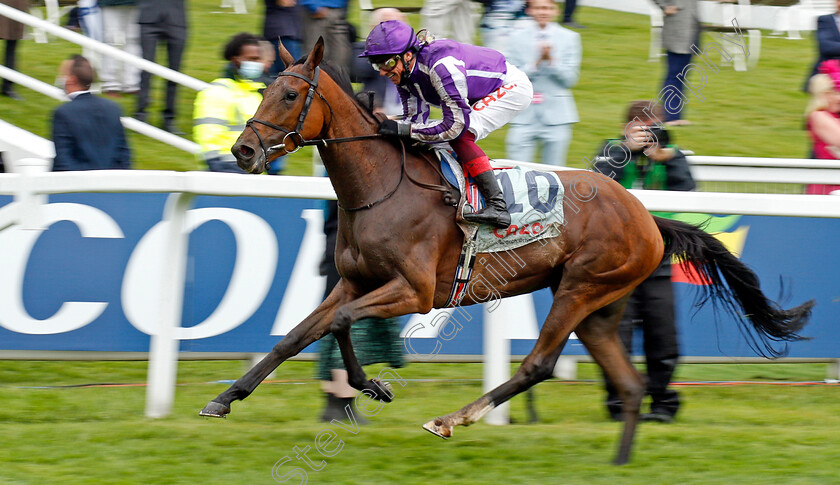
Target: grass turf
755, 433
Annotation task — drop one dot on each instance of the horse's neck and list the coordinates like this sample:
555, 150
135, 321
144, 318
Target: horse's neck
359, 170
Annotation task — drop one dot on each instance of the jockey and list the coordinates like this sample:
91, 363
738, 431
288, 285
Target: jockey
476, 89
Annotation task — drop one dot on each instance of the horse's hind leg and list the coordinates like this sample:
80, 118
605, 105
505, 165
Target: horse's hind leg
312, 328
570, 307
599, 333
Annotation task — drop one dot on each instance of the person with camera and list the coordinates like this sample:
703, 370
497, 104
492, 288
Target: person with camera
645, 158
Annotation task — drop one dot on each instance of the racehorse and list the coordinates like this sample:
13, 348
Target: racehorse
398, 247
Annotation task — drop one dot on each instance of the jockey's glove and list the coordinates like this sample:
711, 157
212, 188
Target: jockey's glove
395, 128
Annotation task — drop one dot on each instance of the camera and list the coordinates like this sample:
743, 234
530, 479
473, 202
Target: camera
660, 136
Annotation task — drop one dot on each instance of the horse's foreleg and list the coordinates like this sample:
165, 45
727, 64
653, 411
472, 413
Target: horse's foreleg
393, 299
312, 328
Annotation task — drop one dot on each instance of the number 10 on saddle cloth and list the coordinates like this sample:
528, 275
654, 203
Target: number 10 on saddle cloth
535, 202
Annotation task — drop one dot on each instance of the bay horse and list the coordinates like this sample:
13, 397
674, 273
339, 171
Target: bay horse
398, 247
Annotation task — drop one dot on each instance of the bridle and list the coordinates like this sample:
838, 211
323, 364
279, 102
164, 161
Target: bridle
299, 142
295, 135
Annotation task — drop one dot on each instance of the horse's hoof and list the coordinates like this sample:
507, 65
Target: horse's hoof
437, 428
215, 409
382, 391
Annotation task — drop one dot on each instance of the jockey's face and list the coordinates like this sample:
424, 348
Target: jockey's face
395, 74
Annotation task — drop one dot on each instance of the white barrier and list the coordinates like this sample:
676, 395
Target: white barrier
765, 170
30, 189
55, 93
101, 48
742, 169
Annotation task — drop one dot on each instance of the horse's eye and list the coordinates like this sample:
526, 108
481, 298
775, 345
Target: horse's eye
291, 96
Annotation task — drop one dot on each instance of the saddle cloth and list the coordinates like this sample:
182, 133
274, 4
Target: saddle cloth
534, 199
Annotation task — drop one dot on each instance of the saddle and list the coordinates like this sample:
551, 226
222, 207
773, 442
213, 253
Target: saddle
535, 201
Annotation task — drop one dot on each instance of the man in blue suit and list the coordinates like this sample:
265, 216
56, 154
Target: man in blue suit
828, 40
550, 56
87, 131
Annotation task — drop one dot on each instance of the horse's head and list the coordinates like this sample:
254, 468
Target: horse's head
291, 111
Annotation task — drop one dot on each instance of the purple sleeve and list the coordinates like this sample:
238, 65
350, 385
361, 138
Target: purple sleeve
450, 82
408, 104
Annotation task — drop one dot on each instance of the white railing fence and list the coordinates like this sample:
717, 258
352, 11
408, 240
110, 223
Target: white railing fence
102, 48
129, 123
30, 189
107, 50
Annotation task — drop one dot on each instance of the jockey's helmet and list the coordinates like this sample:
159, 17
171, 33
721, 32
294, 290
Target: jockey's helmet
389, 38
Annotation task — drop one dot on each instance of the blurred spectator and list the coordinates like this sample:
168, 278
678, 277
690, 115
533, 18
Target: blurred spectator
653, 164
90, 20
87, 131
568, 11
268, 54
161, 21
680, 30
550, 56
221, 111
119, 20
823, 118
282, 21
386, 99
11, 32
499, 21
328, 19
828, 41
374, 340
451, 19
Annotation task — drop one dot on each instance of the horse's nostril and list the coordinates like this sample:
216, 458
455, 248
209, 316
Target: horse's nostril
246, 151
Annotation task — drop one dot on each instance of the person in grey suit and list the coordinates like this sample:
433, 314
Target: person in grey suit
550, 56
87, 131
680, 30
161, 21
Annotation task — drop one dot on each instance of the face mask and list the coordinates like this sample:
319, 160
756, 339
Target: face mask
61, 82
250, 69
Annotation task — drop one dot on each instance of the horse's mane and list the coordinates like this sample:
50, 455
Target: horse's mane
339, 76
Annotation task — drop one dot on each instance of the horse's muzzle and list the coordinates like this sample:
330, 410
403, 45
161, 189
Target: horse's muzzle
248, 158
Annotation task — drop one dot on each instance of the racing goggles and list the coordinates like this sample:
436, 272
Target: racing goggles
388, 64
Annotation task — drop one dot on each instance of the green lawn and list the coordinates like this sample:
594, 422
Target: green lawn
753, 113
756, 433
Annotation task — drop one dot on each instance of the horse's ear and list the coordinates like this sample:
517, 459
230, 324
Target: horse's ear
285, 56
317, 54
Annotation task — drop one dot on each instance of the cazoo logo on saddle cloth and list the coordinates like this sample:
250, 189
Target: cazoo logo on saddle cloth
535, 202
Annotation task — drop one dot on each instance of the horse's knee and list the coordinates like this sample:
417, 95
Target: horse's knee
341, 322
537, 371
290, 341
632, 392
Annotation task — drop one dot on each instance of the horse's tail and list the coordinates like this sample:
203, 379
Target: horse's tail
730, 282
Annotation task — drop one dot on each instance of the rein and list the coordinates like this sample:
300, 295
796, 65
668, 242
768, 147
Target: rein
295, 135
299, 142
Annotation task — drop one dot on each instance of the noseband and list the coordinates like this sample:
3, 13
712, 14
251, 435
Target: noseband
295, 135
